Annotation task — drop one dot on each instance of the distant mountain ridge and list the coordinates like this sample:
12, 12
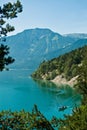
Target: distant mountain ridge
77, 35
32, 46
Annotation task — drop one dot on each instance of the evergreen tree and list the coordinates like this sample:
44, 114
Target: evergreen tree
8, 11
24, 120
76, 121
82, 72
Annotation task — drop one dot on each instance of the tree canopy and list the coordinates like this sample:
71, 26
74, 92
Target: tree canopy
24, 120
59, 66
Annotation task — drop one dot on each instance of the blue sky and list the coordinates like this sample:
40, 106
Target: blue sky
62, 16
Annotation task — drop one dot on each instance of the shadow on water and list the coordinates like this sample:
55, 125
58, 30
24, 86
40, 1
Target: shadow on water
64, 91
19, 91
65, 96
45, 84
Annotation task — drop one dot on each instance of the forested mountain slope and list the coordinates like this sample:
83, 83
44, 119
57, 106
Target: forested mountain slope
66, 65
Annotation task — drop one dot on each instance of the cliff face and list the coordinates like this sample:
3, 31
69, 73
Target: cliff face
60, 80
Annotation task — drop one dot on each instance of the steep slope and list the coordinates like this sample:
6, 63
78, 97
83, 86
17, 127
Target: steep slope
32, 46
65, 66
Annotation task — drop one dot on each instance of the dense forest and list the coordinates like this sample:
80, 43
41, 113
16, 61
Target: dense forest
66, 65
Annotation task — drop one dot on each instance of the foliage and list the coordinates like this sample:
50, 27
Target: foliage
36, 121
75, 64
8, 11
82, 79
4, 58
77, 121
24, 120
67, 65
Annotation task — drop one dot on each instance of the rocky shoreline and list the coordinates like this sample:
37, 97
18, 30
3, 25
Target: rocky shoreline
60, 80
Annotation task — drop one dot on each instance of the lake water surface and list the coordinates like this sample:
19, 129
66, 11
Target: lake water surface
19, 91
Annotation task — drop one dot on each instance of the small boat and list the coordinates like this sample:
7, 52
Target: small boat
62, 108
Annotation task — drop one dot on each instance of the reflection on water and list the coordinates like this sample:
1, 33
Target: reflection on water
64, 96
19, 91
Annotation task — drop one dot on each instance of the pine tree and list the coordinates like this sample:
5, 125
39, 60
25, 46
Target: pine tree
82, 72
8, 11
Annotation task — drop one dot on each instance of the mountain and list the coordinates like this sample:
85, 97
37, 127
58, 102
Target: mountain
32, 46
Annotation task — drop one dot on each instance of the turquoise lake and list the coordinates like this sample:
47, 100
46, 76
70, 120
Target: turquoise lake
19, 91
